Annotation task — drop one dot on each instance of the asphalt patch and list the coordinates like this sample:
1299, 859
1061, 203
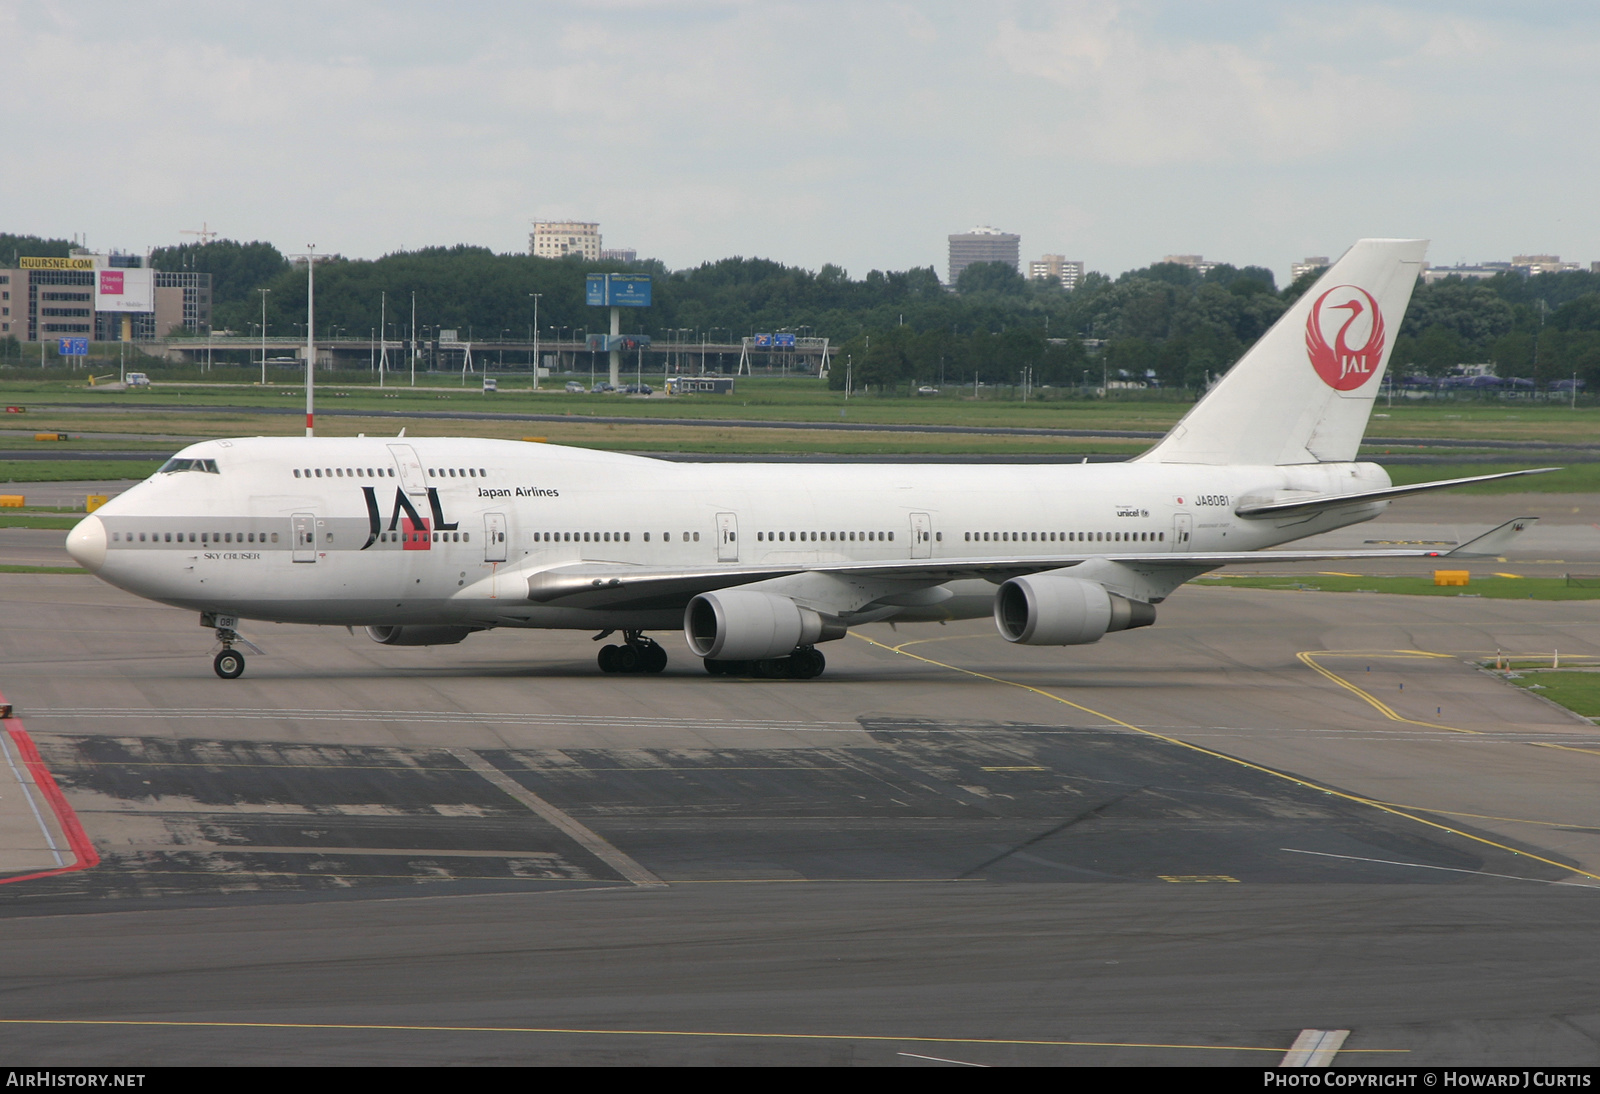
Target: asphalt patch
932, 801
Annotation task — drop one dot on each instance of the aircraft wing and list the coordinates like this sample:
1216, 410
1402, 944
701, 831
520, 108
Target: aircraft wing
1316, 503
621, 586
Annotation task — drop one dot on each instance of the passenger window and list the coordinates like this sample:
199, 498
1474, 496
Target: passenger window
297, 472
697, 537
274, 537
466, 537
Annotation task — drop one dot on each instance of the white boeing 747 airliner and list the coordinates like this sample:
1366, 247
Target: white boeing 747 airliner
423, 541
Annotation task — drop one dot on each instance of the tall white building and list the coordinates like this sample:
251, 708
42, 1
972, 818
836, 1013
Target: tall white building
559, 238
1195, 262
1057, 268
983, 244
1306, 265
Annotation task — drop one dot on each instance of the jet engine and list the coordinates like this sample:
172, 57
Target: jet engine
419, 636
748, 625
1051, 610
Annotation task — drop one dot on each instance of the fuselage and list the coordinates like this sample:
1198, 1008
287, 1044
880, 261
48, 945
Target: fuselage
386, 531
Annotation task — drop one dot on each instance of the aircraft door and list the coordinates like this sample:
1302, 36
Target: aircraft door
921, 536
412, 478
1182, 527
303, 529
727, 537
494, 537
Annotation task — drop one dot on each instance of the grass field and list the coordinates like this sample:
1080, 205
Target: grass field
1494, 588
12, 518
15, 471
94, 418
1577, 690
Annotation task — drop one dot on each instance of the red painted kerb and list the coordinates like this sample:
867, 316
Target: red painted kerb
82, 849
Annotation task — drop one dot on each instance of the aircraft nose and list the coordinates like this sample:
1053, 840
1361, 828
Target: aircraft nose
86, 543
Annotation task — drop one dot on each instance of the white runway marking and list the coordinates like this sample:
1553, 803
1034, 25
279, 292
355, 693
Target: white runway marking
1425, 866
1315, 1048
26, 785
591, 841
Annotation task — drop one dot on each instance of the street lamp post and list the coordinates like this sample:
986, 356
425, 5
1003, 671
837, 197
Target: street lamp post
535, 332
263, 293
311, 337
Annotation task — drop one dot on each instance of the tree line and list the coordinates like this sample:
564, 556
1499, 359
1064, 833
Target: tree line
1166, 323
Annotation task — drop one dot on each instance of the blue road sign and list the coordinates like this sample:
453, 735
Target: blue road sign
74, 347
618, 290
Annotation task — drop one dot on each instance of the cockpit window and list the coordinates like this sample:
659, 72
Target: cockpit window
176, 464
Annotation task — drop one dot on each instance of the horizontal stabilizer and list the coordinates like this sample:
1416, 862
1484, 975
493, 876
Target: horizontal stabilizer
1320, 502
1495, 541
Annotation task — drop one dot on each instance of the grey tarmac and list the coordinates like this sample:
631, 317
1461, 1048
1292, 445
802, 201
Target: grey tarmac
1183, 845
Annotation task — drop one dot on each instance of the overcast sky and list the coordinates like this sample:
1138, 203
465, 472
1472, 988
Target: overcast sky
857, 133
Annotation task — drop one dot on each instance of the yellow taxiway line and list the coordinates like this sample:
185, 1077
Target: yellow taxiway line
1373, 803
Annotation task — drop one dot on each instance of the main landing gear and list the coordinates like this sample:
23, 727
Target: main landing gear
636, 654
803, 664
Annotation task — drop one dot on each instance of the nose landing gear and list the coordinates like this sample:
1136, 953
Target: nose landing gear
636, 654
228, 664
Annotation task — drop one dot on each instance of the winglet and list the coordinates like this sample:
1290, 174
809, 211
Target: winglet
1493, 542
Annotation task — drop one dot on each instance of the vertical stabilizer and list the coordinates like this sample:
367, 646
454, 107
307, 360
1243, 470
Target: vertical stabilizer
1302, 394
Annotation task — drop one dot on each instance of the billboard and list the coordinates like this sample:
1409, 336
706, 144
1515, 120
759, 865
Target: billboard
618, 290
55, 263
125, 290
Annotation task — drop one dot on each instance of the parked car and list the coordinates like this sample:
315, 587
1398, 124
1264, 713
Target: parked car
601, 387
575, 387
639, 389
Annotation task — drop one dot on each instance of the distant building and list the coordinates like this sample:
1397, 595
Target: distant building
1306, 265
1538, 264
984, 244
1057, 268
620, 254
560, 238
104, 298
1477, 272
1196, 262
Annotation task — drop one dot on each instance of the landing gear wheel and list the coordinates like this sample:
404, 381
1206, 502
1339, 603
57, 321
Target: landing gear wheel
654, 658
608, 658
626, 659
229, 664
807, 664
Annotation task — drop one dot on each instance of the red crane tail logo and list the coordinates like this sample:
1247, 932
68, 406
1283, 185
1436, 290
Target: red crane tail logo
1342, 366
